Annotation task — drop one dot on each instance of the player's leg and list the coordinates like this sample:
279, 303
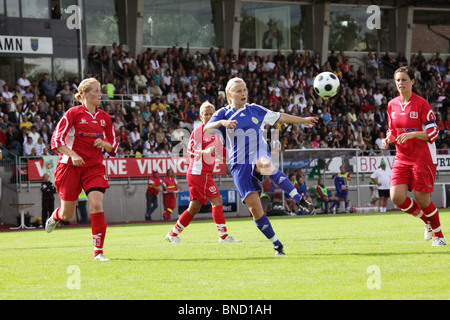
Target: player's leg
423, 184
399, 196
219, 220
432, 215
183, 221
67, 182
98, 224
262, 222
63, 213
265, 167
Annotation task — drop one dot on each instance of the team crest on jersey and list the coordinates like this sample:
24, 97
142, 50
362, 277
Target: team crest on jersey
83, 121
255, 120
414, 115
102, 122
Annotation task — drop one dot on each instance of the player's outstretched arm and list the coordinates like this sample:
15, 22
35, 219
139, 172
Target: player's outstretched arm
287, 118
211, 126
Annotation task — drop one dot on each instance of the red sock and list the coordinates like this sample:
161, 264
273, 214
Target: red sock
98, 226
432, 214
182, 223
219, 219
412, 207
56, 215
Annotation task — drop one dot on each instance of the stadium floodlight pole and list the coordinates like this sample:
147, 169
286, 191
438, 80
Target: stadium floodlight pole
80, 37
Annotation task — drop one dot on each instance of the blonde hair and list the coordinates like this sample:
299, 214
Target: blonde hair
206, 105
85, 86
230, 85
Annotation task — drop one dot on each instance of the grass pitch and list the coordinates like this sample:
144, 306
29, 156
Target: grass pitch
348, 256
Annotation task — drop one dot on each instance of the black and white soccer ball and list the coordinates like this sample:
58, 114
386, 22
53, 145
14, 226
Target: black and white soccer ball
326, 85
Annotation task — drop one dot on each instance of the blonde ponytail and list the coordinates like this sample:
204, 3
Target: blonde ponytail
85, 86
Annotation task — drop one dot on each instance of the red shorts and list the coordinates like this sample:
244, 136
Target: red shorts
202, 187
69, 180
419, 177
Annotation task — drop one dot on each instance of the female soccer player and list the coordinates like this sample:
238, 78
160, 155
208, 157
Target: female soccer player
79, 137
242, 126
202, 151
413, 128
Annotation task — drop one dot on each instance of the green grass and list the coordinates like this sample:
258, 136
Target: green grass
327, 257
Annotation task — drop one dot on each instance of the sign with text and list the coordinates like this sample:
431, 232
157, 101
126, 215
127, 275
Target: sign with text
229, 199
370, 164
28, 45
132, 167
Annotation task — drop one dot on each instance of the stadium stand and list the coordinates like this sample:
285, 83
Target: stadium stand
157, 92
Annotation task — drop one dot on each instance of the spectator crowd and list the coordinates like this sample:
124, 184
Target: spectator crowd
154, 93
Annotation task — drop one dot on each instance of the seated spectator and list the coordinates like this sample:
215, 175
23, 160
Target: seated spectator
447, 122
23, 82
135, 135
122, 134
366, 106
25, 123
118, 123
34, 134
440, 124
154, 90
324, 196
40, 147
146, 114
140, 80
6, 94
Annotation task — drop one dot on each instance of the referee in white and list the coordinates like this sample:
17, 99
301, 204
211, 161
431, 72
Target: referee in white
382, 178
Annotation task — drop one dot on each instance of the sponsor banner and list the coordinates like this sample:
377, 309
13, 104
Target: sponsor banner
49, 166
370, 164
28, 45
229, 198
132, 167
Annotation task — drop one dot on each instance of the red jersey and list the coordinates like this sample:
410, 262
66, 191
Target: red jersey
415, 115
200, 165
170, 183
78, 129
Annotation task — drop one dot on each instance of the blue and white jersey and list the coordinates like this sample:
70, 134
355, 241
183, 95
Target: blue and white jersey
247, 142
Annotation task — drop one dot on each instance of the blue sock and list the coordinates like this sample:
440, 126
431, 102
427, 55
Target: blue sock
265, 227
281, 180
338, 205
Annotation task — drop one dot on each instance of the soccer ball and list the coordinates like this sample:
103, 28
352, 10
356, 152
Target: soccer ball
326, 85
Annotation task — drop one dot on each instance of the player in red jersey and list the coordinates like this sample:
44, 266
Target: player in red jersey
412, 126
79, 137
202, 187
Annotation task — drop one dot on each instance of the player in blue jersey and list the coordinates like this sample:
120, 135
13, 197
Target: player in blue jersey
340, 182
242, 126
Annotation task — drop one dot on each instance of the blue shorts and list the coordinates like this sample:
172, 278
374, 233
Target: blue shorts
246, 179
342, 194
